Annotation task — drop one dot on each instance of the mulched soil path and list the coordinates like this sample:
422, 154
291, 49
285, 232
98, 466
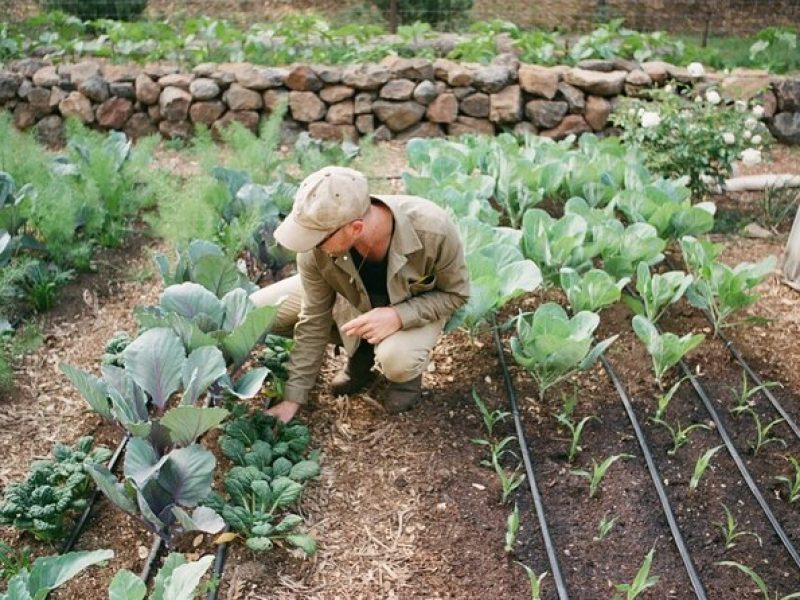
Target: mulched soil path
403, 508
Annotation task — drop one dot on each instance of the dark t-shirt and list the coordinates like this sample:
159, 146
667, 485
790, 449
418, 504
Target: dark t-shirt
374, 276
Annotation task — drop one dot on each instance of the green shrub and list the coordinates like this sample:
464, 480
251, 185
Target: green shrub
98, 9
439, 13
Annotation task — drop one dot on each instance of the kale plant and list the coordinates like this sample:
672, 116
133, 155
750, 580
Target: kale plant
54, 491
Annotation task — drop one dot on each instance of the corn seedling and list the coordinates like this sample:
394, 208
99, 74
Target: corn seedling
641, 582
490, 418
604, 527
701, 465
598, 472
665, 399
512, 528
535, 581
756, 579
680, 436
508, 481
575, 428
763, 433
792, 484
497, 450
743, 395
728, 529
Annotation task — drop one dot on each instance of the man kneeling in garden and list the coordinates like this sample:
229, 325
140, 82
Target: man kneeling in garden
379, 275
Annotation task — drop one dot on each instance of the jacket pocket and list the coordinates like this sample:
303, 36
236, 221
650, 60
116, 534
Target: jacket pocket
420, 286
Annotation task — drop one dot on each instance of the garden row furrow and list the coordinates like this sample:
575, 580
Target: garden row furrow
526, 458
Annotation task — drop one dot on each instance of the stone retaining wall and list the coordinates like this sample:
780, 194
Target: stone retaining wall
396, 99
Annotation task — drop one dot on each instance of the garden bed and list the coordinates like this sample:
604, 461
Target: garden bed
403, 508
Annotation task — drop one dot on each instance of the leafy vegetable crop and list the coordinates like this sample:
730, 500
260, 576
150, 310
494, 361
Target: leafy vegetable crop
551, 346
54, 491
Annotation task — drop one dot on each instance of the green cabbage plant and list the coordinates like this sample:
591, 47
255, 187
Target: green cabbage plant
498, 273
551, 346
665, 349
594, 290
657, 291
718, 289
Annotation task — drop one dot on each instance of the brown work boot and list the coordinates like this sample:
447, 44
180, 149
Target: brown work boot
401, 397
357, 374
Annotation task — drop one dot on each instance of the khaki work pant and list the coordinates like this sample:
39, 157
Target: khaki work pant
401, 357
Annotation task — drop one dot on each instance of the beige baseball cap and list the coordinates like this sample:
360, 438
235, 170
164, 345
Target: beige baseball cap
325, 200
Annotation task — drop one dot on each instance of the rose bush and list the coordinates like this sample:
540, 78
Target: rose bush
697, 139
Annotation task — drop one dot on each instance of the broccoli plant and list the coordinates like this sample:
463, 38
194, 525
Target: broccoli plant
551, 346
54, 491
266, 481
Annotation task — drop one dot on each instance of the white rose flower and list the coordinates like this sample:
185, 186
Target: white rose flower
695, 69
751, 156
668, 88
728, 138
758, 111
713, 97
750, 123
746, 134
740, 106
698, 99
756, 140
650, 119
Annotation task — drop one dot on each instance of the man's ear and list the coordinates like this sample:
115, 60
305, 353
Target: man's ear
358, 226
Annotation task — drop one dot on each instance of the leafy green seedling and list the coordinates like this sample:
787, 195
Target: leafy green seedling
743, 395
658, 291
680, 436
13, 560
49, 572
575, 427
756, 579
665, 349
490, 418
763, 433
729, 533
551, 346
593, 291
512, 528
794, 483
641, 582
604, 527
665, 399
509, 482
176, 578
718, 289
701, 465
535, 581
598, 472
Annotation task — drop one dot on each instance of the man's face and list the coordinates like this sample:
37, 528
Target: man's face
339, 242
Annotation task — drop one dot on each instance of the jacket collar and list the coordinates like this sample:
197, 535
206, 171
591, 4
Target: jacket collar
405, 240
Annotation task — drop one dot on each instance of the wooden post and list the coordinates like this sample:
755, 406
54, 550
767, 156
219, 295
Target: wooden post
393, 16
791, 263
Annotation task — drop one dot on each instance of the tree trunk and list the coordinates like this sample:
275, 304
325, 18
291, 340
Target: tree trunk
393, 16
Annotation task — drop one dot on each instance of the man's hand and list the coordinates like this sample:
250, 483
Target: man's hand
284, 411
375, 325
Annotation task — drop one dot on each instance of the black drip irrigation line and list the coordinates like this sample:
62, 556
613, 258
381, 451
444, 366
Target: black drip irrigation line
698, 388
749, 370
526, 459
155, 550
697, 584
759, 382
79, 525
219, 566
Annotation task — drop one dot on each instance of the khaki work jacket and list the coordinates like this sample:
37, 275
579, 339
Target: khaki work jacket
427, 281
